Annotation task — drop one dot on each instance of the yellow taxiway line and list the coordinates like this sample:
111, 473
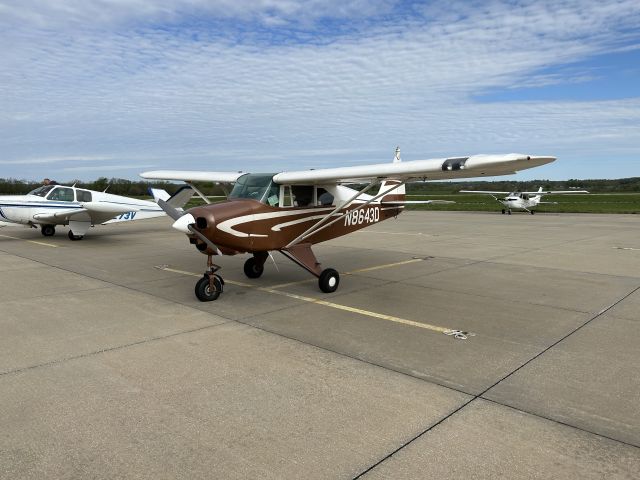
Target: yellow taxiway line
368, 269
44, 244
390, 318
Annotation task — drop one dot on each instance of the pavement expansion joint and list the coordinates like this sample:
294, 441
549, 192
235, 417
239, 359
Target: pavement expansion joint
110, 349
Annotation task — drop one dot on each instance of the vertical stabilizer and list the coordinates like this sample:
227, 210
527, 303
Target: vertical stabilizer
397, 194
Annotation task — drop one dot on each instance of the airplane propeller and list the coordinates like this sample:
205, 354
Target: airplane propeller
186, 223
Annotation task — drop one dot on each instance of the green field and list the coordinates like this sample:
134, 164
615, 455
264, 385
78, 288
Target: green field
592, 203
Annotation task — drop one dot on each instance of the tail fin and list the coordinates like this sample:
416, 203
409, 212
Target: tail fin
159, 194
395, 194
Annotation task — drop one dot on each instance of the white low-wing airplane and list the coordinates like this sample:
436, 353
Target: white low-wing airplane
79, 208
289, 212
526, 201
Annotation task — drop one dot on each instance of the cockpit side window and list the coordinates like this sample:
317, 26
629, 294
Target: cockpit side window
324, 198
83, 196
61, 194
303, 195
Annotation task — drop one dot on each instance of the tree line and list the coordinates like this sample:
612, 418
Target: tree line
140, 188
117, 186
620, 185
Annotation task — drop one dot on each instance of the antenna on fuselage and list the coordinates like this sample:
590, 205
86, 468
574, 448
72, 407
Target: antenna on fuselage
107, 188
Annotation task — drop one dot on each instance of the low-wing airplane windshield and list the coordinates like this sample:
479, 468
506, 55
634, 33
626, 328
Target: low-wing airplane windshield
41, 191
256, 186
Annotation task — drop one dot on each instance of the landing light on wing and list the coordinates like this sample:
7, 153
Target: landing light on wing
182, 224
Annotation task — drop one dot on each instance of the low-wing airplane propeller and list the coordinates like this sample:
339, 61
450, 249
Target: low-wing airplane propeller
526, 201
291, 211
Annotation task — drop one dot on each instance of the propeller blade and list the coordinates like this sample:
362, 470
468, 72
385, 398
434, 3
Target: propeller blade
169, 210
202, 237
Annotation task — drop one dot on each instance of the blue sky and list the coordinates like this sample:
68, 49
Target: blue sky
115, 87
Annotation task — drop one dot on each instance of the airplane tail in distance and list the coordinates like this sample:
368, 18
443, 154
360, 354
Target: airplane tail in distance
177, 200
397, 194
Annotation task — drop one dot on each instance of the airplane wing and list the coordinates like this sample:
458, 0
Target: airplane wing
488, 192
95, 212
434, 169
61, 215
556, 192
192, 176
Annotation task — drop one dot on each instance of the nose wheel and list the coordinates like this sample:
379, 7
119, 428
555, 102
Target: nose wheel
210, 286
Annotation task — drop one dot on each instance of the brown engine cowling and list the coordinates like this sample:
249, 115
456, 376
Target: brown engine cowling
205, 222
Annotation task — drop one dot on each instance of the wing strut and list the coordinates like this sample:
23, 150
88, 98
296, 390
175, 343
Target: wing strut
318, 226
315, 227
200, 194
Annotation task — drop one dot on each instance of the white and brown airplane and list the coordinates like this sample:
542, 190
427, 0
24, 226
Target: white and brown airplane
526, 201
291, 211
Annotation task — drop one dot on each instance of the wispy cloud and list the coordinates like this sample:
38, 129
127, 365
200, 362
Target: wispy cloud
107, 168
275, 84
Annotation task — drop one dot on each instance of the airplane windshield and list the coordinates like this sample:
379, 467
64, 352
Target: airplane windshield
256, 186
41, 191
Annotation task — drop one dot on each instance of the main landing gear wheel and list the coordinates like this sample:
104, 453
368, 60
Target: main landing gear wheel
329, 280
509, 211
48, 230
532, 212
75, 237
208, 290
503, 210
252, 269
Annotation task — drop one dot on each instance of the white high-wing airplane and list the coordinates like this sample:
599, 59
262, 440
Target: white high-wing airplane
526, 201
79, 208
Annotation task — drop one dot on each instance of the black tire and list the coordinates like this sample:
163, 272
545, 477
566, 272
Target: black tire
503, 210
252, 269
73, 237
204, 292
329, 280
509, 212
48, 230
532, 212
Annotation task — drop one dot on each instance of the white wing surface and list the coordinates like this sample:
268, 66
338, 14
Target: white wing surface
556, 192
434, 169
61, 215
192, 176
488, 192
